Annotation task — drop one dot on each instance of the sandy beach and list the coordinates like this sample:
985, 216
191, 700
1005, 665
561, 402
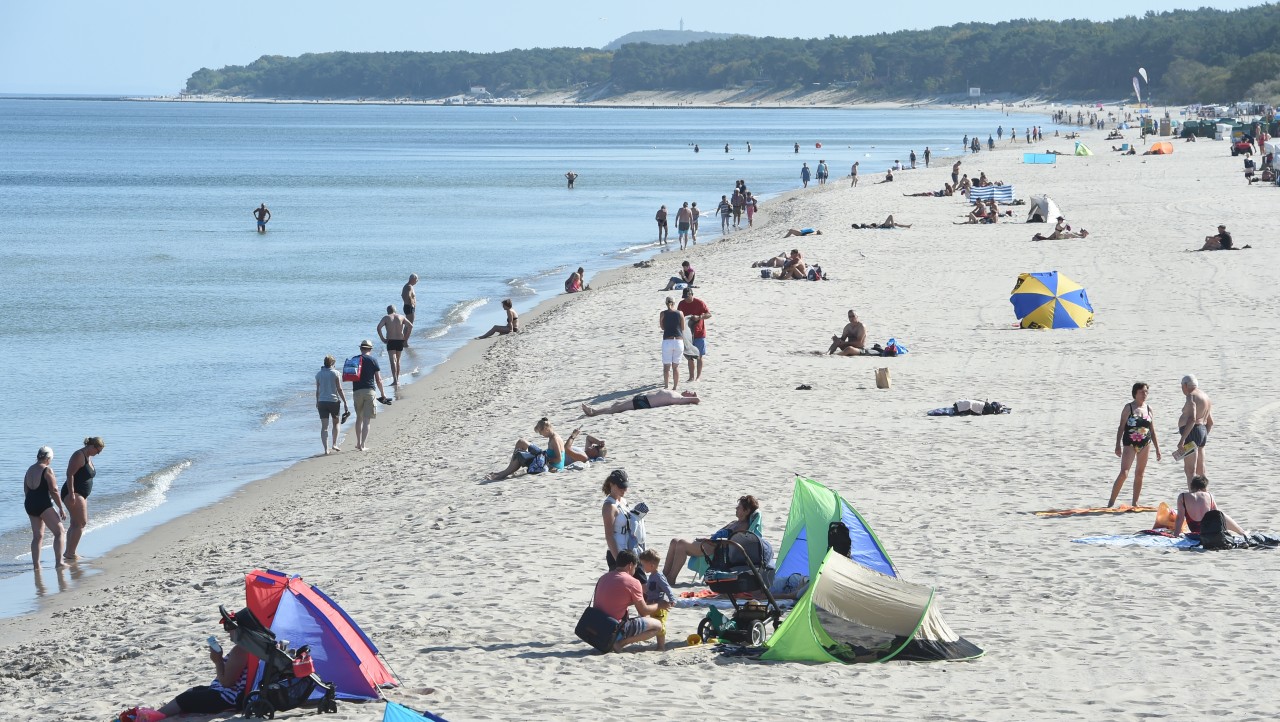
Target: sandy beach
472, 590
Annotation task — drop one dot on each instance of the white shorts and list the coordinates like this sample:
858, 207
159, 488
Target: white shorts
672, 350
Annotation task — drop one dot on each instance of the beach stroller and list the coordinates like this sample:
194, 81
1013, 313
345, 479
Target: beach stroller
740, 565
287, 680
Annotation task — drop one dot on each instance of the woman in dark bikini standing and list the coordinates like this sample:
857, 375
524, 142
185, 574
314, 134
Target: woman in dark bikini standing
39, 492
76, 490
1135, 435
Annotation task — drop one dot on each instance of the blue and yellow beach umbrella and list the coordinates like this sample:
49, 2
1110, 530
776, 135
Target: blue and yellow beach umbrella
1050, 300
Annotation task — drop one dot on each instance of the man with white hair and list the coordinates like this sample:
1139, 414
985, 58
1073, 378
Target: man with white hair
1194, 425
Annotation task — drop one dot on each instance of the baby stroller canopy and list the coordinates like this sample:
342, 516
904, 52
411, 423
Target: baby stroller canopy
294, 610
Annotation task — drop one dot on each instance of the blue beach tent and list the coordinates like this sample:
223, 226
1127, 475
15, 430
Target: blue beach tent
399, 713
804, 543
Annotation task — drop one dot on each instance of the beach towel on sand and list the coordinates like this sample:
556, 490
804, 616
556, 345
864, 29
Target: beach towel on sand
1092, 510
971, 407
1156, 541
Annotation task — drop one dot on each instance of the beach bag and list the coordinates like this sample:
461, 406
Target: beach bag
537, 464
597, 628
351, 368
1213, 531
882, 378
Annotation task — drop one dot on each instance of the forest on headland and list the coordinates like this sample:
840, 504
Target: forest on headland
1203, 55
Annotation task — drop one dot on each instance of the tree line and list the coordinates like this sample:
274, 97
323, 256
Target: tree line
1204, 55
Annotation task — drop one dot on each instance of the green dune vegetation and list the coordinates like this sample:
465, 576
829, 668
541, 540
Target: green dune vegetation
1190, 55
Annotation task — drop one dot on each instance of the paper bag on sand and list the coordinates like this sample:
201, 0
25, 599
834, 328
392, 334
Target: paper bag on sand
882, 378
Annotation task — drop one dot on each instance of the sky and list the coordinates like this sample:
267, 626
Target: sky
151, 47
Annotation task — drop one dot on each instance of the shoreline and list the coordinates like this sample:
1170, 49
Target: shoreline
435, 565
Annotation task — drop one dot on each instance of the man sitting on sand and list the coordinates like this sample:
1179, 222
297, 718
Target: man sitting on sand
794, 268
888, 223
1220, 242
853, 340
651, 400
617, 591
802, 232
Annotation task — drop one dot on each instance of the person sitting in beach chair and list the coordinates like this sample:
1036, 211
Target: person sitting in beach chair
801, 232
679, 551
650, 400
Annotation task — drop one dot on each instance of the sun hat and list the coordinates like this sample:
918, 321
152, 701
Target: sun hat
366, 344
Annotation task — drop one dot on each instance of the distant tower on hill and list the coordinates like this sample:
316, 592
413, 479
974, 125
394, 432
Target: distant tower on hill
682, 25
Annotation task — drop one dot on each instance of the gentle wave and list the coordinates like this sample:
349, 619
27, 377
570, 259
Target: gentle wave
520, 287
156, 487
456, 314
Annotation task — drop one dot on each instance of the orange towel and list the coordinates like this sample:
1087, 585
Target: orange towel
1085, 511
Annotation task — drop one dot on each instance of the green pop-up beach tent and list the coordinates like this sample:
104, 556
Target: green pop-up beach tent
855, 608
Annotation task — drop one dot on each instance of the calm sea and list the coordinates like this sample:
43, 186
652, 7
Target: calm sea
138, 303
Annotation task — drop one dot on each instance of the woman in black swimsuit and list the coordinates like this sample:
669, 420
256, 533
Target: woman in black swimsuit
76, 490
39, 492
1135, 435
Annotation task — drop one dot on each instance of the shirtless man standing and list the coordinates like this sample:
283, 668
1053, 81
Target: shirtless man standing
393, 329
409, 297
853, 340
1194, 425
684, 220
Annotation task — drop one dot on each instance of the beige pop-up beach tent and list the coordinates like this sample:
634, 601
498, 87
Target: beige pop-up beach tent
853, 614
1043, 210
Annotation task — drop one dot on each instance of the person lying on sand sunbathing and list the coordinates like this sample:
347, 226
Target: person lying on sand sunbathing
777, 261
1060, 231
888, 223
947, 190
679, 550
594, 448
525, 452
650, 400
802, 232
1194, 503
1266, 176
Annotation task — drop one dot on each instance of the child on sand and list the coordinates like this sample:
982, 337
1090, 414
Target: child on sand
657, 590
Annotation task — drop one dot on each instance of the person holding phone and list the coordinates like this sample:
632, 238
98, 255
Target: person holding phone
220, 695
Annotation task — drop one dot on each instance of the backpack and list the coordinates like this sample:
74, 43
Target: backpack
351, 368
838, 538
1213, 531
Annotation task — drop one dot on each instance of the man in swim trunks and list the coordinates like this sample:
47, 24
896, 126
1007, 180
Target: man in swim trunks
571, 177
409, 299
694, 213
661, 218
262, 215
651, 400
1194, 425
684, 220
853, 340
393, 329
